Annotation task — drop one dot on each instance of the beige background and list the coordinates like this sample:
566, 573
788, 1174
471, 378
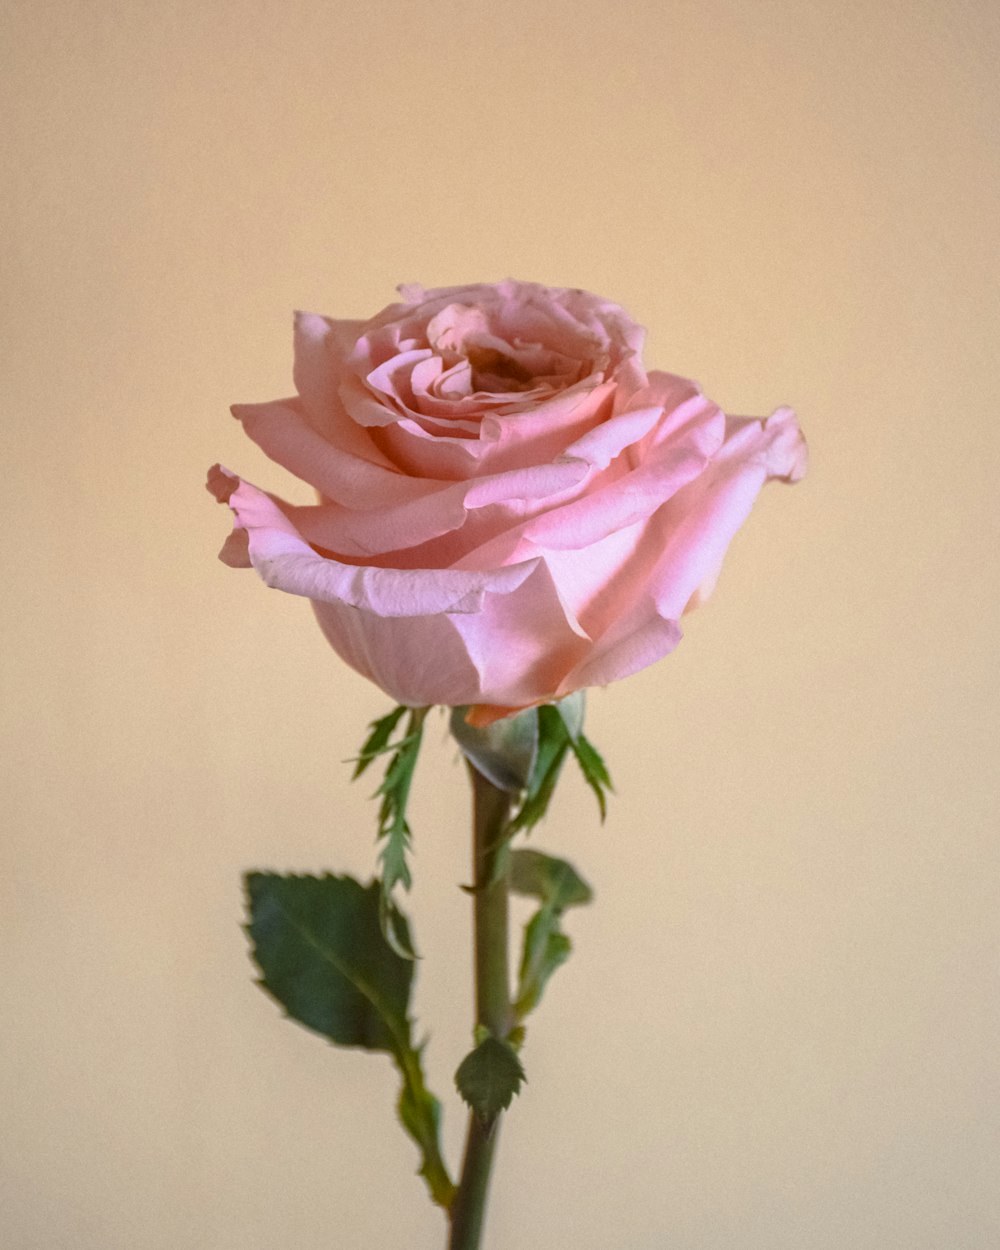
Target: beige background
780, 1028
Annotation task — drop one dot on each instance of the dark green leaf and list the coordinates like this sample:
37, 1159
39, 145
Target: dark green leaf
549, 879
489, 1077
319, 946
591, 762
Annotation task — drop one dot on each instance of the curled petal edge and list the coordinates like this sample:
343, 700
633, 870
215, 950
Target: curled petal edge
284, 561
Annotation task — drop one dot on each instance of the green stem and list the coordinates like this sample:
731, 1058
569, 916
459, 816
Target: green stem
491, 810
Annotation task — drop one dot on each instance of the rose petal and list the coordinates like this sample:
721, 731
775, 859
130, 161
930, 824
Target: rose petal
417, 660
321, 344
345, 465
626, 651
684, 543
455, 659
618, 502
284, 561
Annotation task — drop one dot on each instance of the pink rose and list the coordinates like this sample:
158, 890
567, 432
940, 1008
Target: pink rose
510, 507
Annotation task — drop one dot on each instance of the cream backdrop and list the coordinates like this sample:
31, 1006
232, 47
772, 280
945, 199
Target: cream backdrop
779, 1029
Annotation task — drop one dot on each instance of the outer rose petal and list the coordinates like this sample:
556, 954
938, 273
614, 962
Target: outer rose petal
681, 547
514, 651
285, 562
376, 507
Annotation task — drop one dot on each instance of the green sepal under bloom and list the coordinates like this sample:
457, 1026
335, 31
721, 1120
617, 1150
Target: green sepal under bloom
488, 1078
504, 752
393, 827
560, 731
524, 755
319, 944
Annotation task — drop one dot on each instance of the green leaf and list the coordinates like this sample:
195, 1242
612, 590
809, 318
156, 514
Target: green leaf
420, 1115
547, 878
319, 945
525, 753
557, 886
546, 948
489, 1077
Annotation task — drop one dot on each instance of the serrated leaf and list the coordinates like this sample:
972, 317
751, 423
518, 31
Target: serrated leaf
319, 945
489, 1077
549, 879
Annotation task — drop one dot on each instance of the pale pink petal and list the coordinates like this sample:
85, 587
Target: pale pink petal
686, 540
507, 440
417, 661
286, 562
366, 534
523, 644
626, 651
391, 381
321, 346
620, 501
516, 650
344, 465
475, 512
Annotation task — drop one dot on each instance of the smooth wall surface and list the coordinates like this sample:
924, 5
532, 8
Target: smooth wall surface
779, 1030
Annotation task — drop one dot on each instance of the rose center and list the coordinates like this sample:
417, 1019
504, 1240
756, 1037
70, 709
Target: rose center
493, 370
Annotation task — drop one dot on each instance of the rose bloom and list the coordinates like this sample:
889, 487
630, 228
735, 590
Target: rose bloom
510, 507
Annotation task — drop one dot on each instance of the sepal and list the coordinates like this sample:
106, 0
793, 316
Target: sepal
504, 752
